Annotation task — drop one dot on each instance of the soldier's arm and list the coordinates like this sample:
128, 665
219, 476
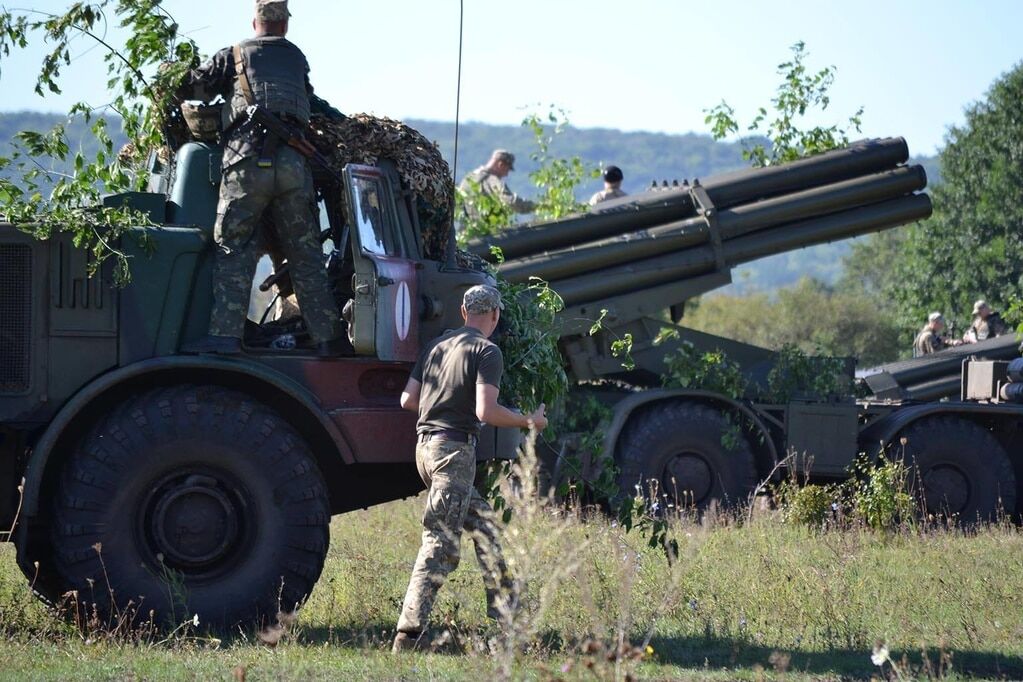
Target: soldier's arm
489, 411
215, 77
509, 198
410, 396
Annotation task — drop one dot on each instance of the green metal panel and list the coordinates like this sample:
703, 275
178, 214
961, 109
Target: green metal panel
823, 436
193, 199
170, 294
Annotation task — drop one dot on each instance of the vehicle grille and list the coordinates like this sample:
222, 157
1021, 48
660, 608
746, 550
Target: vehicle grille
15, 317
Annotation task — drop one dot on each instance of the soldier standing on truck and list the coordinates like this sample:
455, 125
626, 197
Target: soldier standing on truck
489, 180
454, 387
260, 173
987, 324
612, 186
930, 340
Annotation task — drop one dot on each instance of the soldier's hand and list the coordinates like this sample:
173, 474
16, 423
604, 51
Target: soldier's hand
538, 418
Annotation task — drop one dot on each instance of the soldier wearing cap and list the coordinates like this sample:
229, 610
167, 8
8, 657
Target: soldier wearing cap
489, 179
612, 186
454, 387
930, 340
262, 174
987, 324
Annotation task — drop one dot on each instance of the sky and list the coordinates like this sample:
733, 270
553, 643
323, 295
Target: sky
651, 65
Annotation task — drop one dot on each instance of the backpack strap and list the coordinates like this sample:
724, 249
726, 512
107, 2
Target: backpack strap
242, 76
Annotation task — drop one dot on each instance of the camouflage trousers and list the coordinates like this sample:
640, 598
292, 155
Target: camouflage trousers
286, 191
452, 505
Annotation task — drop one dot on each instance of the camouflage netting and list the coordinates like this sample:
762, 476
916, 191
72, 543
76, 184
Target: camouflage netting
365, 139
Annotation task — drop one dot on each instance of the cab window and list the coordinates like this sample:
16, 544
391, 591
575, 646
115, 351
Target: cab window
374, 217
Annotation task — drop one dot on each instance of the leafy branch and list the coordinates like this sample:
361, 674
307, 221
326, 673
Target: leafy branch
802, 91
45, 188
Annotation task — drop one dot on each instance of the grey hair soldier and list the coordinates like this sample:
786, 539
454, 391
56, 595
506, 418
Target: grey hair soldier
612, 186
489, 179
930, 340
454, 387
262, 173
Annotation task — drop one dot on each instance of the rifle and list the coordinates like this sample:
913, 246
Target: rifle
279, 129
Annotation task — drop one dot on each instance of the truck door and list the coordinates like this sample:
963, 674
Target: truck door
385, 319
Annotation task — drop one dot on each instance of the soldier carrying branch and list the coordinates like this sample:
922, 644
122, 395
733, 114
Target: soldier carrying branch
454, 387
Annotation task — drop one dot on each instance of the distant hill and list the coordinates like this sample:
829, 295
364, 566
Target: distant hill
644, 158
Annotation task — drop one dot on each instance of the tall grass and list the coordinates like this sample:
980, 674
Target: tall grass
750, 595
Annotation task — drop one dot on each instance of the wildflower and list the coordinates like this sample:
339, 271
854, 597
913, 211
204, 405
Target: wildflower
693, 604
195, 620
880, 654
654, 506
649, 650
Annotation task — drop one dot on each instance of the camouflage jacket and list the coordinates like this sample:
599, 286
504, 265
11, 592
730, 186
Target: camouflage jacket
217, 77
988, 328
494, 186
927, 342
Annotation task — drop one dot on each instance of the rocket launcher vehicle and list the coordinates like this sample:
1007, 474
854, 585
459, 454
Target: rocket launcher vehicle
635, 243
629, 259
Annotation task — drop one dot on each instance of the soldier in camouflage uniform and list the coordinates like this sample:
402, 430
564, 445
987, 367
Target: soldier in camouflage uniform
454, 386
489, 180
262, 173
930, 340
987, 324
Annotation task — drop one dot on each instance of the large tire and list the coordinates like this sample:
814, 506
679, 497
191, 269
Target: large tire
959, 469
192, 500
690, 453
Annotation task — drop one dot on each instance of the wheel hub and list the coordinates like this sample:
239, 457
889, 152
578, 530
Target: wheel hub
194, 522
946, 489
687, 476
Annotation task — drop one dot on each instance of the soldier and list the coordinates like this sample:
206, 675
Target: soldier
264, 173
454, 387
987, 324
490, 181
612, 186
930, 340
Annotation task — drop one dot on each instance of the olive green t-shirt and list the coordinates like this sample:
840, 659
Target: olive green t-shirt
449, 369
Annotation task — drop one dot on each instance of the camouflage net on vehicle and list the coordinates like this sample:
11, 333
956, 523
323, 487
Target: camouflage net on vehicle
365, 139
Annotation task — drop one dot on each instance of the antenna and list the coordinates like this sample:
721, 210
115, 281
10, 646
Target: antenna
450, 255
458, 89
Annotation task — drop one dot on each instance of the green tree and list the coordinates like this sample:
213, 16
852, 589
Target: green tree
972, 247
802, 91
47, 186
810, 317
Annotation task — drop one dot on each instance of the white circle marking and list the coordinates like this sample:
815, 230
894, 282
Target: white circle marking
402, 311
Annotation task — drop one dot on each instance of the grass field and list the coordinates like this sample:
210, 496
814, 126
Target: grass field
756, 600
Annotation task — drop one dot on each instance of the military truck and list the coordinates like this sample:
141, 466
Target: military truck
635, 261
199, 483
180, 484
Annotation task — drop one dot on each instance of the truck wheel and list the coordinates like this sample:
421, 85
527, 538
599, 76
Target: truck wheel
960, 468
690, 452
191, 500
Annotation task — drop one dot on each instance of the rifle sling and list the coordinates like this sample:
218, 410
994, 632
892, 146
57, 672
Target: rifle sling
242, 75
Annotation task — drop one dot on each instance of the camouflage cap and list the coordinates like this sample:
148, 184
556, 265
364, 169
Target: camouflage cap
481, 299
979, 305
504, 155
936, 317
272, 10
